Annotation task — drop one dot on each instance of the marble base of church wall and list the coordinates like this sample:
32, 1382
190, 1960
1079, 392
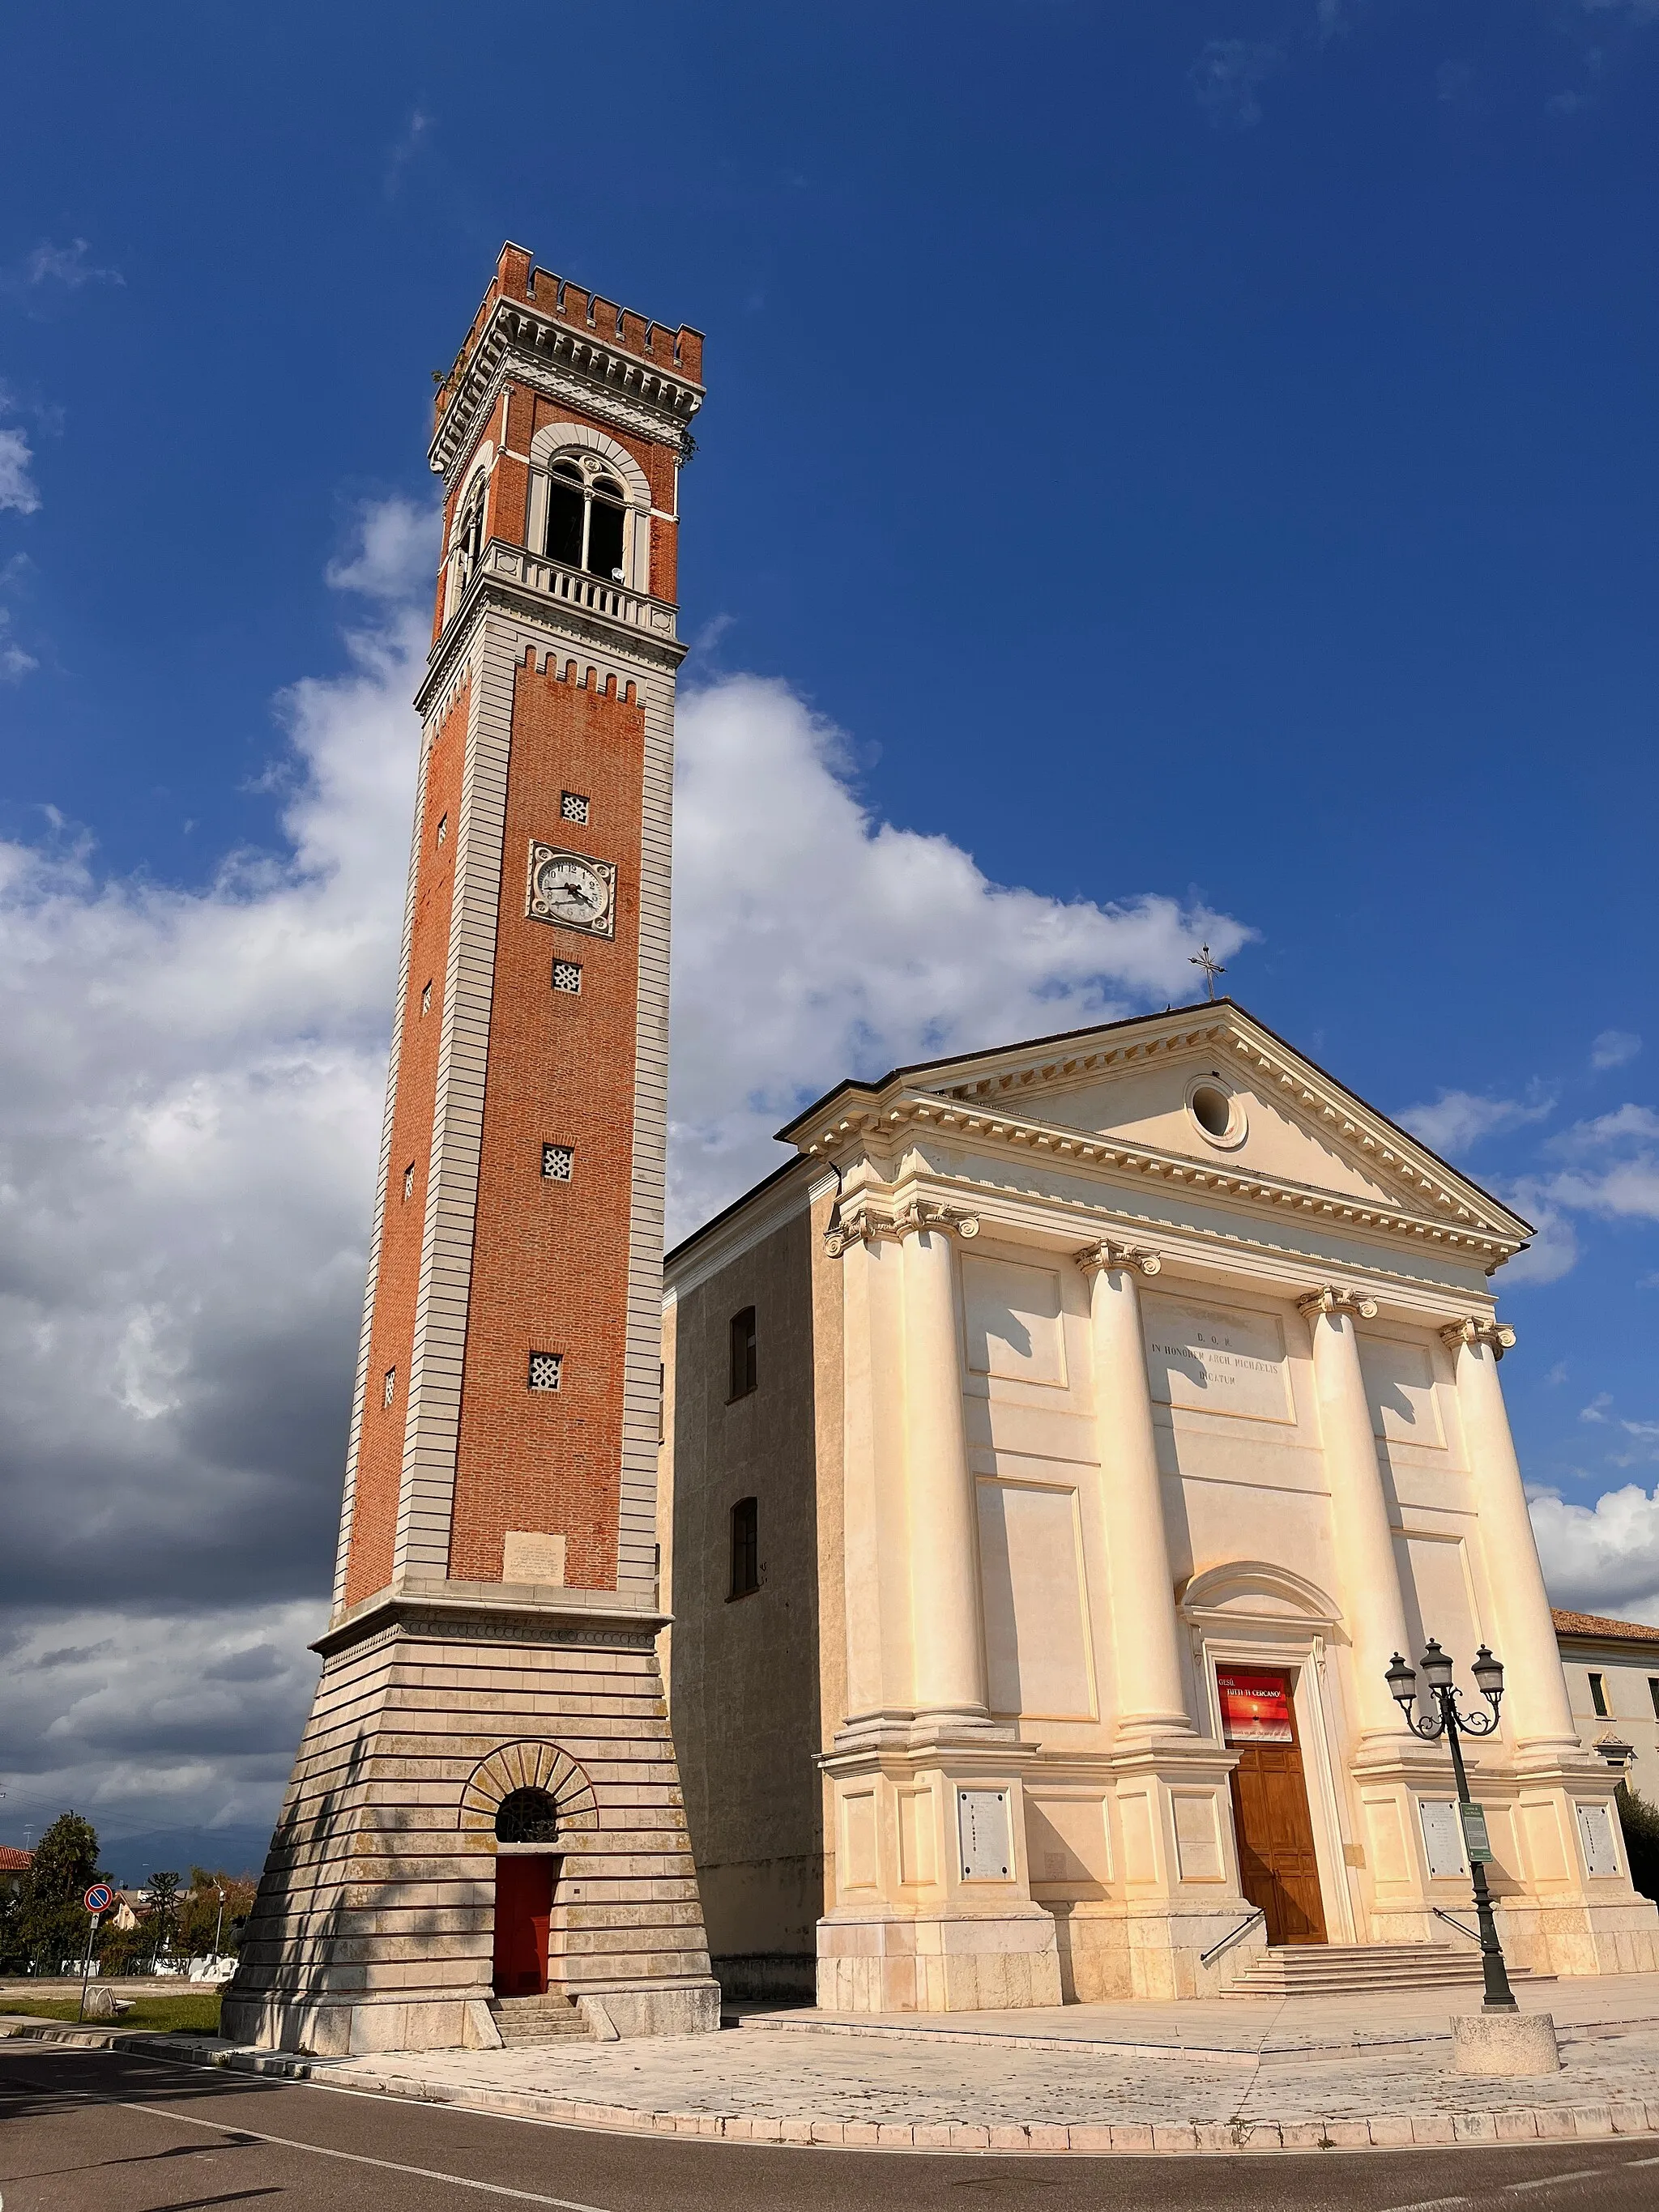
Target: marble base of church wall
1107, 1953
981, 1963
1571, 1936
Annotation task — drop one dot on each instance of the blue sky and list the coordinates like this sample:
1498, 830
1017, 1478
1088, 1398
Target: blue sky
1198, 461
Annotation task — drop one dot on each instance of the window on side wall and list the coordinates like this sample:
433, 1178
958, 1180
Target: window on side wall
1599, 1696
743, 1371
745, 1548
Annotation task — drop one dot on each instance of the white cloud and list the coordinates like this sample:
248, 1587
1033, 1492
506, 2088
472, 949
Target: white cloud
18, 490
1613, 1167
67, 265
190, 1084
1458, 1119
1553, 1249
812, 940
1229, 74
1614, 1049
394, 555
14, 663
1602, 1558
1597, 1408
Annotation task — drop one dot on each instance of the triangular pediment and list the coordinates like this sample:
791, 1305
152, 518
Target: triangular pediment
1208, 1085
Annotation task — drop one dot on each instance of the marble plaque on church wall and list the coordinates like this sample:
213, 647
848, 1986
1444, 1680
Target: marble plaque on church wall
1216, 1359
987, 1853
1595, 1832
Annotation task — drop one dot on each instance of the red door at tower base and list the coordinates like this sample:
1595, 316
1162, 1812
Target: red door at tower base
524, 1905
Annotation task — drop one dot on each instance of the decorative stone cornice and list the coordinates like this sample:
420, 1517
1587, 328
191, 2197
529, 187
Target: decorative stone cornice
1093, 1258
579, 366
924, 1112
1479, 1328
1336, 1298
998, 1097
868, 1220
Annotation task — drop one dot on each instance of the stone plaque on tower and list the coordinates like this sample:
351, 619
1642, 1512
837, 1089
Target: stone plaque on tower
485, 1810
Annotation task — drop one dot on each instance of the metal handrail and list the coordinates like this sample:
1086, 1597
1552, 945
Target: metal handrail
1462, 1927
1243, 1928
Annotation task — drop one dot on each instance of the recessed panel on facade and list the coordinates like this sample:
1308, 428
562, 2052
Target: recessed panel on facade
1400, 1384
1013, 1323
1218, 1359
1036, 1636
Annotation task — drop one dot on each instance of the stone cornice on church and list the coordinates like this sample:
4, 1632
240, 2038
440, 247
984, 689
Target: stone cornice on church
992, 1100
1296, 1262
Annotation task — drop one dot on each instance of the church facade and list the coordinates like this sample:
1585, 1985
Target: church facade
1056, 1452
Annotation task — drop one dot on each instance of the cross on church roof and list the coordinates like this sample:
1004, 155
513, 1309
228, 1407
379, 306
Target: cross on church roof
1212, 968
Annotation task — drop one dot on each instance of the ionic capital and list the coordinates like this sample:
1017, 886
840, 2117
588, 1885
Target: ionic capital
1479, 1328
1095, 1257
1333, 1298
868, 1221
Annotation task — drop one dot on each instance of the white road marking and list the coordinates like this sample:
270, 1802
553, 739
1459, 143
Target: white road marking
1549, 2180
1430, 2204
386, 2165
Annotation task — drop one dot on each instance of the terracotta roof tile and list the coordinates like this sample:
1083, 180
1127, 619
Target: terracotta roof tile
13, 1861
1602, 1624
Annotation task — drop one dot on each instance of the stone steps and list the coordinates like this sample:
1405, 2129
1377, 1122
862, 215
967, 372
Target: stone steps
550, 2018
1289, 1970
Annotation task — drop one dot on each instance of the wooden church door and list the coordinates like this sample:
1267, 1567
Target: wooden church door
1277, 1866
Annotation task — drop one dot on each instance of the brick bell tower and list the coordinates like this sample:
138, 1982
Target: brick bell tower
485, 1810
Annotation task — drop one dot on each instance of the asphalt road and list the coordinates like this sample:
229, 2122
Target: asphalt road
101, 2131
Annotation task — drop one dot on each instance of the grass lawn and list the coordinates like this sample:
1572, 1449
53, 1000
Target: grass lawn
195, 2012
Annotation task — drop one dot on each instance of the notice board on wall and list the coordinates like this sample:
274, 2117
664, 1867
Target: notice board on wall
1255, 1706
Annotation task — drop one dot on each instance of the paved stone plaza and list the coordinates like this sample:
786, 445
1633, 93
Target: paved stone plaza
1206, 2075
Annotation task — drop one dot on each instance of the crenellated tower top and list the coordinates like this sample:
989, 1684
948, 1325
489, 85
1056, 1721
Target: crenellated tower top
546, 331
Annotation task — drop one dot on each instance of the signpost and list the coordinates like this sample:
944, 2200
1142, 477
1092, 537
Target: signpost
98, 1901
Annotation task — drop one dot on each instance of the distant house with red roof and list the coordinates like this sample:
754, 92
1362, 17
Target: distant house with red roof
13, 1865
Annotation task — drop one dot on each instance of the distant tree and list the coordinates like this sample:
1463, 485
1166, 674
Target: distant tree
199, 1917
1639, 1818
50, 1924
162, 1921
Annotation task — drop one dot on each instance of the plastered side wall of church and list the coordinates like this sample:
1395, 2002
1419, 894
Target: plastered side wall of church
747, 1674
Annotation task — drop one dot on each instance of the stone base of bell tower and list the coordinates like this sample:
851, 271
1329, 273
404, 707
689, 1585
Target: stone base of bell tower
374, 1925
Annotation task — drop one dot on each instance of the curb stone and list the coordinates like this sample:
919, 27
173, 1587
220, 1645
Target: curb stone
1386, 2131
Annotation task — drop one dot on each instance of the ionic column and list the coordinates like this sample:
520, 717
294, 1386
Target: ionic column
1535, 1690
1151, 1696
950, 1640
1371, 1604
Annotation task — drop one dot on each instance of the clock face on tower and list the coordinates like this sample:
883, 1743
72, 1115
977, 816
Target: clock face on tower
572, 888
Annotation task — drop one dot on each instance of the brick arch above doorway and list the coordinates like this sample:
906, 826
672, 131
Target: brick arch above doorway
529, 1765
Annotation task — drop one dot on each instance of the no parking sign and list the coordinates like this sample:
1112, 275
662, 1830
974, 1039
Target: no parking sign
98, 1899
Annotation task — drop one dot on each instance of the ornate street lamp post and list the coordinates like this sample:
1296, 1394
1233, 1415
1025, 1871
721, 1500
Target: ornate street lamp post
1445, 1719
